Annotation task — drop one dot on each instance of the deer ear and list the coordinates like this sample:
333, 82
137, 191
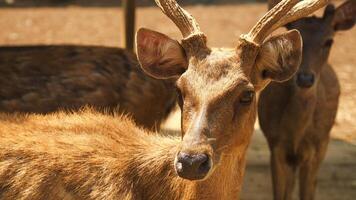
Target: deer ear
280, 56
160, 56
345, 16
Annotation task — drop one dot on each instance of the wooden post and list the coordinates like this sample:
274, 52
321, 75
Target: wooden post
128, 23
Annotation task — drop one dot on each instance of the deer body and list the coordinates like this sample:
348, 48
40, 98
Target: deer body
297, 116
89, 155
44, 79
297, 126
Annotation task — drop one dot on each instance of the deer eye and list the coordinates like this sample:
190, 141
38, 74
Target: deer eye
328, 43
246, 97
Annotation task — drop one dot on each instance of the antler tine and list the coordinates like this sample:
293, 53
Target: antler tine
183, 20
284, 12
260, 30
302, 9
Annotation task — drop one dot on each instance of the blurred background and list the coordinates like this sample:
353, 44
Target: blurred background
99, 22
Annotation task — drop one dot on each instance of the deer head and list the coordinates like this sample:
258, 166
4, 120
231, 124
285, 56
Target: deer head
317, 34
217, 87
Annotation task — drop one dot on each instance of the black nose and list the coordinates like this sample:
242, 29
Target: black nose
192, 167
305, 80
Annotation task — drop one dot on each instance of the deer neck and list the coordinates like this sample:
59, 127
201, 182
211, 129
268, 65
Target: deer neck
297, 113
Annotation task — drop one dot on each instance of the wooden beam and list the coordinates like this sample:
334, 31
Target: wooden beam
128, 23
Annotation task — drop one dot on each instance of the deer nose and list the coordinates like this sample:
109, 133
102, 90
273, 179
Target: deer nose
193, 167
305, 80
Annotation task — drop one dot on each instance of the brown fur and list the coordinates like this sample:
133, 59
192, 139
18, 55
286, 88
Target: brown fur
297, 121
43, 79
88, 155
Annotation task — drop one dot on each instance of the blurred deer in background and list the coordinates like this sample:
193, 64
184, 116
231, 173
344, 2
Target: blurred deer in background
296, 116
43, 79
88, 156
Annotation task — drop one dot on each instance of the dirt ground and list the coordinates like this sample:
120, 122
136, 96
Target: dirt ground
223, 24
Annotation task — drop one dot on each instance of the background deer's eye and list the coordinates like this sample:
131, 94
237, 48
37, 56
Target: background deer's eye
328, 43
246, 97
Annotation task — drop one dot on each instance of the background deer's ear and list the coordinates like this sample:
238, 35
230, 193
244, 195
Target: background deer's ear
160, 56
345, 16
280, 56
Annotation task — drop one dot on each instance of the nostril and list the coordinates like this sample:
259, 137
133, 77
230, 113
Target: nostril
204, 165
305, 80
201, 163
184, 158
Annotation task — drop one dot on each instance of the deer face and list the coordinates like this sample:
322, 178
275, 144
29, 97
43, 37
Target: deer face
317, 34
217, 91
217, 87
215, 107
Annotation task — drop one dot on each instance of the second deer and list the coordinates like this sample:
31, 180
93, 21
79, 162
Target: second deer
296, 116
44, 79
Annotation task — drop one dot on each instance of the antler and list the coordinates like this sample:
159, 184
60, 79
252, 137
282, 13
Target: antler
183, 20
302, 9
284, 12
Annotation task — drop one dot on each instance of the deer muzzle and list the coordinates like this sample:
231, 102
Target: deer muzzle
305, 79
194, 160
193, 166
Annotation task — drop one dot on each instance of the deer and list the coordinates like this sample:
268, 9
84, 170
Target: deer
297, 116
47, 78
44, 79
88, 155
